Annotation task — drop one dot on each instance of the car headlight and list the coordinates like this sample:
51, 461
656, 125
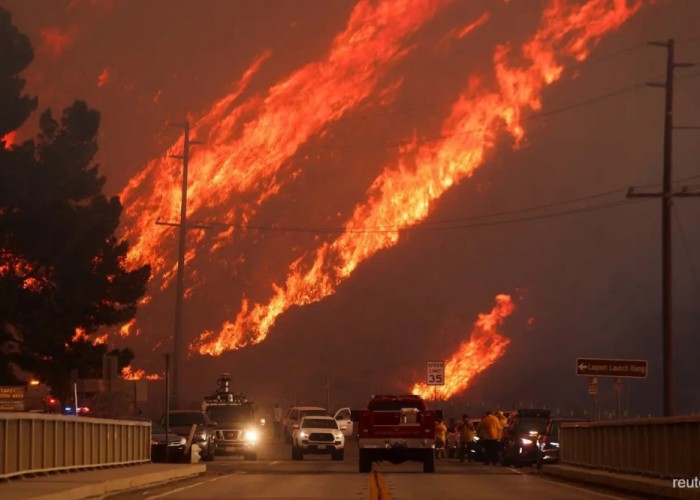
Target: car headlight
303, 435
154, 442
526, 441
476, 438
337, 434
183, 441
202, 436
250, 436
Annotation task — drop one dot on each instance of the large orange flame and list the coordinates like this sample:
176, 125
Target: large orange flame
129, 374
246, 146
484, 347
401, 196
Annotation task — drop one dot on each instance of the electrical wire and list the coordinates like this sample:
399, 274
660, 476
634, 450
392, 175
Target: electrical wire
693, 269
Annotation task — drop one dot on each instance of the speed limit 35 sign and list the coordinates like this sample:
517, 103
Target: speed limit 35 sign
436, 373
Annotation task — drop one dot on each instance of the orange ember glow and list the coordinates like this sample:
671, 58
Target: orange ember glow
80, 335
245, 146
472, 26
103, 78
403, 194
54, 40
484, 347
10, 139
129, 374
102, 339
126, 329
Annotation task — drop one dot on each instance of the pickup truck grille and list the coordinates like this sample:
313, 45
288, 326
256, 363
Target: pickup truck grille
321, 436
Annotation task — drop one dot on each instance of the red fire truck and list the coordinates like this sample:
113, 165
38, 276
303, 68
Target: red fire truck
396, 429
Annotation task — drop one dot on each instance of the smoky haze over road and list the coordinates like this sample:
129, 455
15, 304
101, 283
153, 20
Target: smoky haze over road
586, 284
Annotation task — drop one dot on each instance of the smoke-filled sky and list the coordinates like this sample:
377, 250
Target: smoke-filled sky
375, 174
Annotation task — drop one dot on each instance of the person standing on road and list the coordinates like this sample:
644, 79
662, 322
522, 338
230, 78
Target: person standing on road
466, 438
440, 438
491, 429
277, 414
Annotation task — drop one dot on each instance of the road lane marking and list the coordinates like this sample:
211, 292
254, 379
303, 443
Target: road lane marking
377, 486
274, 462
186, 487
384, 491
373, 489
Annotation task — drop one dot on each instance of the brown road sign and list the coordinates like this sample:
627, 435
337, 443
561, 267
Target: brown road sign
12, 398
631, 368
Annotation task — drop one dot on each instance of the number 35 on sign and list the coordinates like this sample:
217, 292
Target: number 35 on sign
436, 373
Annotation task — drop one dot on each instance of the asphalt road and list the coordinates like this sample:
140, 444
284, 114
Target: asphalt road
275, 476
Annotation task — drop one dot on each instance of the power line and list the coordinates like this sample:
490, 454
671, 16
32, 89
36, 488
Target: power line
693, 270
425, 227
450, 223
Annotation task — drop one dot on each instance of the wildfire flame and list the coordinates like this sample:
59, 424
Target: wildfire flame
239, 157
129, 374
401, 196
484, 347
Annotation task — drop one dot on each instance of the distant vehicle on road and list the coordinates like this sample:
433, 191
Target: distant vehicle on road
237, 430
519, 441
181, 422
162, 440
548, 441
396, 429
318, 435
292, 418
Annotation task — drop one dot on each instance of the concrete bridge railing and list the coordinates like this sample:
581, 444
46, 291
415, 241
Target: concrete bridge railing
35, 442
667, 447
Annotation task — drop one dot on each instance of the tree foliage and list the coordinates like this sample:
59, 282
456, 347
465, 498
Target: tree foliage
62, 269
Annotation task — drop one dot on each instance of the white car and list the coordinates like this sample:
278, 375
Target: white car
318, 435
344, 418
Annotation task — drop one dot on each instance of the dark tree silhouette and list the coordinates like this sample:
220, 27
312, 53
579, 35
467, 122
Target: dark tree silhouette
62, 269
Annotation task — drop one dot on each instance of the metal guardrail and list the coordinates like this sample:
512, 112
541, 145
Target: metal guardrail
35, 442
666, 447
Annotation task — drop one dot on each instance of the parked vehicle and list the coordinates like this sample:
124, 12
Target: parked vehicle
162, 440
548, 441
396, 429
519, 441
318, 435
181, 422
293, 416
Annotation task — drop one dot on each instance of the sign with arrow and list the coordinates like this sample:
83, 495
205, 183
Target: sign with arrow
593, 367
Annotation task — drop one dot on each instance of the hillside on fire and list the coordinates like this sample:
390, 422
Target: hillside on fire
372, 185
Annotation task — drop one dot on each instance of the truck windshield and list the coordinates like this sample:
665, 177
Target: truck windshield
319, 423
230, 413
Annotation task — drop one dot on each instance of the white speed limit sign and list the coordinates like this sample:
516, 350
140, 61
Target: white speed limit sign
436, 373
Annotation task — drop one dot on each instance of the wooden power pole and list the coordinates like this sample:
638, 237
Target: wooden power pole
667, 196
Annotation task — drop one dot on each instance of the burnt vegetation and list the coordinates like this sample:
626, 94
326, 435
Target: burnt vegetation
62, 269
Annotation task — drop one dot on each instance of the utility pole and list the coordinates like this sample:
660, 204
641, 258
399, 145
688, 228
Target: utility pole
180, 278
667, 196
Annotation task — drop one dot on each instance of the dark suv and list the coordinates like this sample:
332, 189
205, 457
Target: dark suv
181, 422
548, 441
519, 442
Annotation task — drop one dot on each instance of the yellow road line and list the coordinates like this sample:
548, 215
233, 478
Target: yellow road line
377, 487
